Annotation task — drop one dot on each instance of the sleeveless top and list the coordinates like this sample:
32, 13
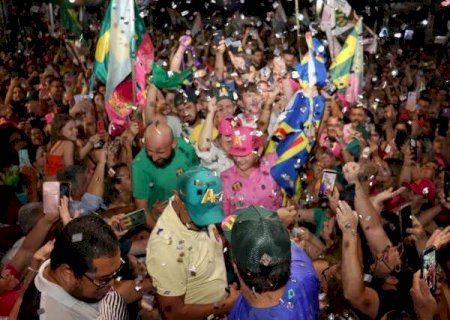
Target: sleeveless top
54, 163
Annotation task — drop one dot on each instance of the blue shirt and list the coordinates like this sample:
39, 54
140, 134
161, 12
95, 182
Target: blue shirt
300, 299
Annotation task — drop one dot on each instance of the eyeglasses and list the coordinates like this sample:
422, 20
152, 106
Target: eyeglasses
107, 279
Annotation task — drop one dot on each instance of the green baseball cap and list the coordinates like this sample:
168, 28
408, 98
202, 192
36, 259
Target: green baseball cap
222, 92
201, 191
258, 239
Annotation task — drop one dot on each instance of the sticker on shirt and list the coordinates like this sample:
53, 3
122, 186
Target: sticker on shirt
179, 172
237, 186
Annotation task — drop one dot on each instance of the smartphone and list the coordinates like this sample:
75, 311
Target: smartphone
400, 138
51, 196
64, 190
411, 101
327, 183
217, 36
405, 220
229, 42
349, 195
99, 144
148, 299
428, 268
24, 158
413, 148
101, 127
409, 34
134, 219
330, 88
446, 185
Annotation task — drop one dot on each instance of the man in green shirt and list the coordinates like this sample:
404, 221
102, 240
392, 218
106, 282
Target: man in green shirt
156, 168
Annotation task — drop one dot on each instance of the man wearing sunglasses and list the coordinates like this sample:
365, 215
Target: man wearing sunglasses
80, 273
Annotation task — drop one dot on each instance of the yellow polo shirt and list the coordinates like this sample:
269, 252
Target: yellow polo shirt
197, 131
185, 262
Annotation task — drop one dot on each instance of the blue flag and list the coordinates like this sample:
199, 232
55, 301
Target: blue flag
297, 132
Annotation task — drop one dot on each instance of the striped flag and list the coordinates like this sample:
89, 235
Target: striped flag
297, 132
341, 68
121, 33
122, 37
355, 84
70, 19
312, 70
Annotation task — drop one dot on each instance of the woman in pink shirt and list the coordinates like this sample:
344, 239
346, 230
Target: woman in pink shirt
249, 181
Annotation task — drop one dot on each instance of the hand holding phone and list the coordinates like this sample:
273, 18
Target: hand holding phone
133, 219
411, 102
326, 186
24, 158
405, 220
217, 37
53, 192
428, 268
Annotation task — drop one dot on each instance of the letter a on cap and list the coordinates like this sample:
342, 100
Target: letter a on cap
223, 92
209, 196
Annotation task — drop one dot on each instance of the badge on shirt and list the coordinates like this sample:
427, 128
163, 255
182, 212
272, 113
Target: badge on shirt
179, 172
237, 186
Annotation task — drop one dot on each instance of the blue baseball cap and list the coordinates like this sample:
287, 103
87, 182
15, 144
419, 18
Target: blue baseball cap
201, 191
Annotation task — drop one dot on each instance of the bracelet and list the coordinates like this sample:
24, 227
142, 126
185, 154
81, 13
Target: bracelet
33, 270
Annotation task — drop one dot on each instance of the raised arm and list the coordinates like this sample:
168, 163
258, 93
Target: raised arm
14, 83
369, 218
266, 112
220, 64
175, 63
361, 297
204, 143
97, 184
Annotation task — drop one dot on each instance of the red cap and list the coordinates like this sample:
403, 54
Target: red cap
424, 187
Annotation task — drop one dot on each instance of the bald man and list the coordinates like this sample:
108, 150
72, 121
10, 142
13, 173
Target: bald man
156, 168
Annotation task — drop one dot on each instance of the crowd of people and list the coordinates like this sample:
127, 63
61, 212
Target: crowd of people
211, 234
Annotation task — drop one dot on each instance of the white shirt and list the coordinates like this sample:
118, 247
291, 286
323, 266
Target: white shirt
57, 304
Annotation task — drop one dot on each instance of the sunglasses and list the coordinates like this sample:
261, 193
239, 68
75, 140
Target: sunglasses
100, 284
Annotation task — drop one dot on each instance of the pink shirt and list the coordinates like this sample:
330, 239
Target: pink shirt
258, 189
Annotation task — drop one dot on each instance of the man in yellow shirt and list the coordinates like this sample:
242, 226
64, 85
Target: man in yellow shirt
185, 252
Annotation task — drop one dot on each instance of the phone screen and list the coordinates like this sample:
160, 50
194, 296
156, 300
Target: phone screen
134, 219
327, 183
64, 189
400, 138
51, 196
446, 185
217, 36
411, 102
405, 220
24, 158
428, 270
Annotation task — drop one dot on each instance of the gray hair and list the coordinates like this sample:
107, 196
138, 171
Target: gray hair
28, 215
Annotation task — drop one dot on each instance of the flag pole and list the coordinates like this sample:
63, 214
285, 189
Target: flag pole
297, 23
